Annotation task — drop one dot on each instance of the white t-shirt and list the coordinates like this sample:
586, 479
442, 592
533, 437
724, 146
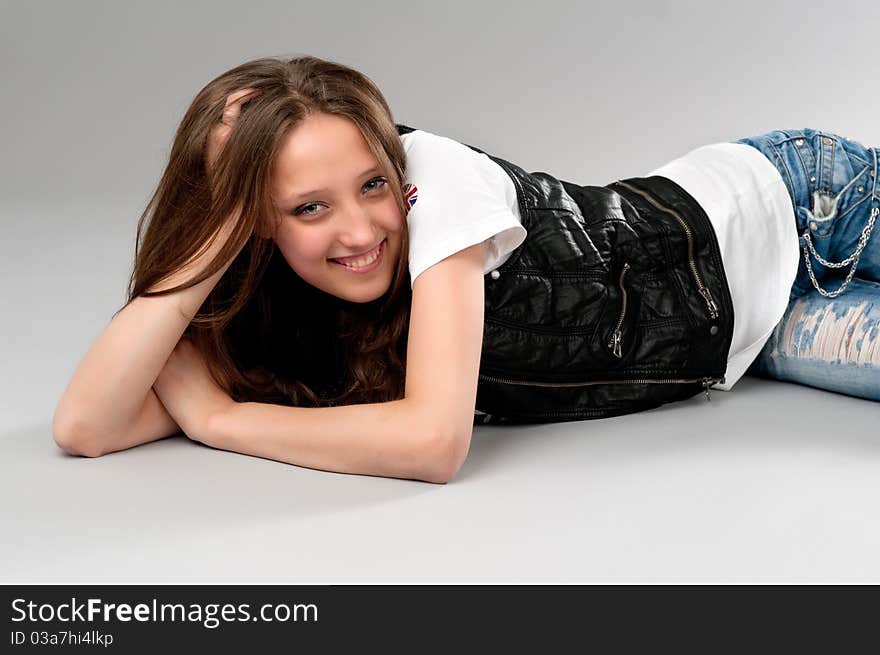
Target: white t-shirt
750, 208
459, 197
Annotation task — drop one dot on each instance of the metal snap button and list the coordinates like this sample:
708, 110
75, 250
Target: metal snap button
861, 188
713, 329
813, 225
828, 141
495, 275
800, 142
812, 178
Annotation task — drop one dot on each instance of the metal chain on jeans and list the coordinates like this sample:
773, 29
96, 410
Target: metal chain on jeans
854, 257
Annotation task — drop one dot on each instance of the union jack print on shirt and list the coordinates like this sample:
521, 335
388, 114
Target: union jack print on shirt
410, 194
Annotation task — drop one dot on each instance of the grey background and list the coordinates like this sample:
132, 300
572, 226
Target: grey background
772, 482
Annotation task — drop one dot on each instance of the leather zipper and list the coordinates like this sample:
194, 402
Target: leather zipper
703, 290
614, 343
707, 382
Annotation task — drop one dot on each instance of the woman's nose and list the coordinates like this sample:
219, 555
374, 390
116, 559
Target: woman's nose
358, 230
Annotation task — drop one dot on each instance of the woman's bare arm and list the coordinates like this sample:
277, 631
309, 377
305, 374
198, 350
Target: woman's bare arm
109, 403
424, 436
153, 422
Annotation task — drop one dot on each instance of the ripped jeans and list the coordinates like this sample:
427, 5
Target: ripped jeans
831, 343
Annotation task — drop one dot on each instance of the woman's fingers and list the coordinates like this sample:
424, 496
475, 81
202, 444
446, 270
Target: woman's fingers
220, 132
234, 103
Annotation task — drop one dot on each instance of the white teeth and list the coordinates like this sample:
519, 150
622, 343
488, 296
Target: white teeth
363, 262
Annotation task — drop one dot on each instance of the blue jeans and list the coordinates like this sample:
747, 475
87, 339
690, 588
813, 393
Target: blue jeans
830, 343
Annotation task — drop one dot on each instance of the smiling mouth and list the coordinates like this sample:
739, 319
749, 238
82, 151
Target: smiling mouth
362, 261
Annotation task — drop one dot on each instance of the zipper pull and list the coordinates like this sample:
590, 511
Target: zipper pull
614, 344
710, 303
616, 336
708, 382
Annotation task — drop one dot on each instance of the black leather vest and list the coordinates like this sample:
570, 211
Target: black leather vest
616, 302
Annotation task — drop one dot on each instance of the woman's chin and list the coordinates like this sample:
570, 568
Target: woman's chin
362, 296
360, 293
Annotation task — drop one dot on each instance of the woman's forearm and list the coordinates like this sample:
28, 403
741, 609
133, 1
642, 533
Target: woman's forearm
386, 439
108, 390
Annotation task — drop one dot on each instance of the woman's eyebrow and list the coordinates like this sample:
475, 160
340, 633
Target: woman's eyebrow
295, 195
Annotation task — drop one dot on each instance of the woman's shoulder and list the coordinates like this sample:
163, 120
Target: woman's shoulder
419, 142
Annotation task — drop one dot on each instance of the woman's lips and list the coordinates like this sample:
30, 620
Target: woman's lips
367, 267
354, 258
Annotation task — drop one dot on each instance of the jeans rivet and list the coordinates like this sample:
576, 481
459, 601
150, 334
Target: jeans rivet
800, 142
861, 188
813, 225
827, 141
812, 178
713, 329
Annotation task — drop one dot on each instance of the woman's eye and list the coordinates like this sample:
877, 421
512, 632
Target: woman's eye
378, 179
302, 210
307, 211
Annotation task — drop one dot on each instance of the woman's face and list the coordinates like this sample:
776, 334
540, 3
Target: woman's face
335, 203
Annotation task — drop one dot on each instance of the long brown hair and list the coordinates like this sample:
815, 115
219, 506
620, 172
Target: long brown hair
266, 334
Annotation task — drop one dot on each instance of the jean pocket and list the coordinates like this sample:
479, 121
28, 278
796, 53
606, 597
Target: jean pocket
821, 217
829, 209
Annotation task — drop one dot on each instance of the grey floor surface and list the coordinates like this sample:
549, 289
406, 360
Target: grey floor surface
771, 482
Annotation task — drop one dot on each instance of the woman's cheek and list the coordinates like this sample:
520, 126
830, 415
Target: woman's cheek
304, 248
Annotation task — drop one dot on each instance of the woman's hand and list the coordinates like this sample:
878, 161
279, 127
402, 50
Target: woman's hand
189, 393
220, 132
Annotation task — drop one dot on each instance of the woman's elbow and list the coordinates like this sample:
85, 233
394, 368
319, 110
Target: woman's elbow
69, 436
73, 447
448, 455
